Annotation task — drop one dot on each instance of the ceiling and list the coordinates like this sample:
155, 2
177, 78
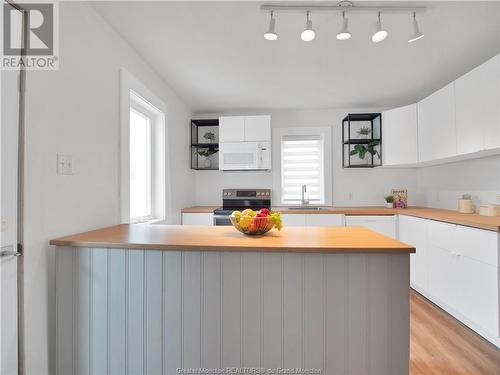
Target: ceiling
214, 56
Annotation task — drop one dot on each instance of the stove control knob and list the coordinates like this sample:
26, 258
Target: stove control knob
267, 193
229, 193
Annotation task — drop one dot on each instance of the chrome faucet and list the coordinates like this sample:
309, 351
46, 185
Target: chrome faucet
304, 201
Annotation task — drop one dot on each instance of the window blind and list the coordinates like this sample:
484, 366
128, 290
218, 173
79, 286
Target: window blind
302, 164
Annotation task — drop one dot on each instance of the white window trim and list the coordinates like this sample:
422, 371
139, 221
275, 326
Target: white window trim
128, 84
325, 132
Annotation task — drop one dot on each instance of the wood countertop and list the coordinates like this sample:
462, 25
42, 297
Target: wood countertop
227, 238
447, 216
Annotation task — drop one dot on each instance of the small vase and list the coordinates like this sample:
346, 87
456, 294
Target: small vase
389, 205
207, 163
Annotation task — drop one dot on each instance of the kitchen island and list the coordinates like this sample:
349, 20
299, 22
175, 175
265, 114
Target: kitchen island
153, 299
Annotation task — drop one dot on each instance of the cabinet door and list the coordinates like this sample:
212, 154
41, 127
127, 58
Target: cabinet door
232, 129
293, 220
412, 231
437, 136
477, 112
324, 220
443, 278
385, 225
477, 296
399, 132
197, 219
257, 128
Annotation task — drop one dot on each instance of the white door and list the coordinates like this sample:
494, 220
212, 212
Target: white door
412, 231
257, 128
231, 129
8, 206
400, 135
477, 111
437, 136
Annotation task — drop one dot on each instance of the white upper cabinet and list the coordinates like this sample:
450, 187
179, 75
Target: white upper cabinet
257, 128
244, 128
477, 108
437, 136
399, 131
231, 129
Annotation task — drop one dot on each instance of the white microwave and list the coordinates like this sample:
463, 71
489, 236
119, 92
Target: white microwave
244, 156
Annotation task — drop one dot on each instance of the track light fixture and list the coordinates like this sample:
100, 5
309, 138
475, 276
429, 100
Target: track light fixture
308, 34
270, 34
380, 33
343, 7
344, 33
417, 34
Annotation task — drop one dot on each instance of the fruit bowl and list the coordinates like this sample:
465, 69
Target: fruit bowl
256, 222
253, 225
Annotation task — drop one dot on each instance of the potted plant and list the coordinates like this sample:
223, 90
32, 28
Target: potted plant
363, 150
364, 132
389, 201
209, 136
206, 153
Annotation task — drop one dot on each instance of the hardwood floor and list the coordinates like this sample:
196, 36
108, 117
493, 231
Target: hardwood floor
440, 345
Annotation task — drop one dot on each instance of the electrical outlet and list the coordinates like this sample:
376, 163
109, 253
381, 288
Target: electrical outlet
498, 198
351, 196
64, 164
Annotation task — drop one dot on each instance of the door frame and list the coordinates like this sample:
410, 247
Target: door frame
20, 190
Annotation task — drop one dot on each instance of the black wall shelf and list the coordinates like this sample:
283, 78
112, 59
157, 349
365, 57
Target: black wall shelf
205, 144
362, 136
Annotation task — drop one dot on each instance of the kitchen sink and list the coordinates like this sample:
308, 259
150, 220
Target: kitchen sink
307, 208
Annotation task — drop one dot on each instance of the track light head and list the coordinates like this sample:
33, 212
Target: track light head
344, 33
380, 34
308, 34
270, 34
417, 34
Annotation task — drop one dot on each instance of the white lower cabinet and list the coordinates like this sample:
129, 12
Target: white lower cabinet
293, 220
312, 220
457, 267
385, 225
324, 220
205, 218
412, 231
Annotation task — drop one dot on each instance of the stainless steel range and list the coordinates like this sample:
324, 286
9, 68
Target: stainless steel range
240, 199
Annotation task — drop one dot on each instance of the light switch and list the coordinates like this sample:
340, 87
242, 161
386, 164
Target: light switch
64, 164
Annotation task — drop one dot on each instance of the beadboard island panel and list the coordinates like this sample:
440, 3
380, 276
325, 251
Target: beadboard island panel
150, 311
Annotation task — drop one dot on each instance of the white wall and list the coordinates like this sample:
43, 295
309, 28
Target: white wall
441, 186
368, 186
76, 111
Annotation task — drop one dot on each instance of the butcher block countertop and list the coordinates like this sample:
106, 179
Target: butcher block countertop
447, 216
227, 238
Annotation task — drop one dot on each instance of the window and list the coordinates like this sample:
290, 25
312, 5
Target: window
146, 153
142, 147
302, 163
140, 165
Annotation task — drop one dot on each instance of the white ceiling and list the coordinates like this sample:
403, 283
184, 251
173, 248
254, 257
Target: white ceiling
214, 56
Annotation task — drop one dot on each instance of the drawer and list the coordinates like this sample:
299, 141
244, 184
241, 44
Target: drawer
478, 244
324, 220
441, 234
385, 225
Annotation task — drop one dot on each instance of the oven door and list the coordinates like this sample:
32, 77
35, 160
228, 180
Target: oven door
222, 220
